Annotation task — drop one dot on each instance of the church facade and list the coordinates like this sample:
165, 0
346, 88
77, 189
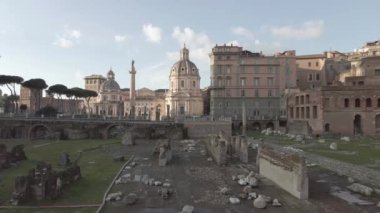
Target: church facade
184, 97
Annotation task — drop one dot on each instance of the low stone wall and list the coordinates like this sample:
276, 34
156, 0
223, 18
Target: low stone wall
287, 170
217, 148
201, 129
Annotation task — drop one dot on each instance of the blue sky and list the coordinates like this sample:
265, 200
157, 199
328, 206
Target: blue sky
64, 40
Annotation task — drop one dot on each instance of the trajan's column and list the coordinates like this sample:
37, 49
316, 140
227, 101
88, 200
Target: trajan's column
132, 91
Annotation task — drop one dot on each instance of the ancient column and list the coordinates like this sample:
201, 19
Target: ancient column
132, 92
244, 118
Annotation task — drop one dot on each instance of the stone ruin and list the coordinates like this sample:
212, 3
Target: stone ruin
217, 148
286, 169
151, 132
44, 183
220, 148
15, 155
164, 151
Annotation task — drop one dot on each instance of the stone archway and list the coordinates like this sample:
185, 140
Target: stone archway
270, 125
158, 112
256, 126
39, 131
358, 125
113, 131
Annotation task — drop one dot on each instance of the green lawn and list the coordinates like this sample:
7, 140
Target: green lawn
358, 151
97, 168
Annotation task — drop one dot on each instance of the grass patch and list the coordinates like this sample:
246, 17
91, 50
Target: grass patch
95, 176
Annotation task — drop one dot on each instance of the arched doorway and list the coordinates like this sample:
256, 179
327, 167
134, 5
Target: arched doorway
270, 125
256, 126
358, 125
39, 131
158, 112
114, 131
377, 121
327, 127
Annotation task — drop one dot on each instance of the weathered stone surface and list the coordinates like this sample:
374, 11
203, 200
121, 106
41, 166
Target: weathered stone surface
334, 146
298, 138
350, 180
187, 209
234, 200
128, 138
75, 134
378, 204
259, 203
252, 181
360, 188
130, 199
225, 191
114, 196
217, 148
247, 189
276, 203
157, 183
321, 141
252, 195
242, 182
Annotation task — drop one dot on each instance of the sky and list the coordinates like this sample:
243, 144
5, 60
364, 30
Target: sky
62, 41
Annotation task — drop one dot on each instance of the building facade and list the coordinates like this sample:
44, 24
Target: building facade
184, 97
240, 77
350, 105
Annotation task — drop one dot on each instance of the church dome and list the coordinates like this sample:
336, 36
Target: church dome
110, 84
184, 66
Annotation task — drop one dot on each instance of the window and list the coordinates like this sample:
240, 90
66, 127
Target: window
302, 112
377, 72
269, 93
346, 102
228, 92
307, 99
256, 93
182, 110
256, 82
357, 102
297, 100
242, 82
317, 64
368, 102
297, 112
172, 85
302, 99
228, 69
257, 69
315, 112
182, 83
310, 78
307, 112
242, 69
309, 64
378, 102
269, 104
218, 69
228, 81
317, 76
270, 69
193, 83
270, 81
242, 93
361, 83
220, 82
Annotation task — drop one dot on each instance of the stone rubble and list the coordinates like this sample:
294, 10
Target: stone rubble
225, 191
333, 146
360, 188
347, 139
114, 196
276, 203
187, 209
259, 202
234, 200
130, 199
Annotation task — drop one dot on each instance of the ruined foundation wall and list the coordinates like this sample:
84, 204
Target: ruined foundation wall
217, 148
286, 170
201, 129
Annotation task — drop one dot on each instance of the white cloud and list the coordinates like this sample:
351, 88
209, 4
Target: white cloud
243, 32
69, 38
152, 33
63, 42
120, 38
234, 43
199, 43
309, 30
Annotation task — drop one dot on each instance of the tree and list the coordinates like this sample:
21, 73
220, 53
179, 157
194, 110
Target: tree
36, 85
59, 90
87, 95
10, 82
47, 111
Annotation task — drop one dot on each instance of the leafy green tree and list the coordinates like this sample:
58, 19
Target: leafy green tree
36, 85
59, 90
10, 82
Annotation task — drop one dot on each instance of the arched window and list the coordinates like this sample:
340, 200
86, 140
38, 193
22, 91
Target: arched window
357, 102
368, 102
346, 102
182, 83
193, 83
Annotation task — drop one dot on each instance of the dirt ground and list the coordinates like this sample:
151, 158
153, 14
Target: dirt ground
197, 181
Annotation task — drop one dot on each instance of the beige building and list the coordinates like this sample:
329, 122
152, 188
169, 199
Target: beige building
112, 101
184, 97
242, 77
350, 105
